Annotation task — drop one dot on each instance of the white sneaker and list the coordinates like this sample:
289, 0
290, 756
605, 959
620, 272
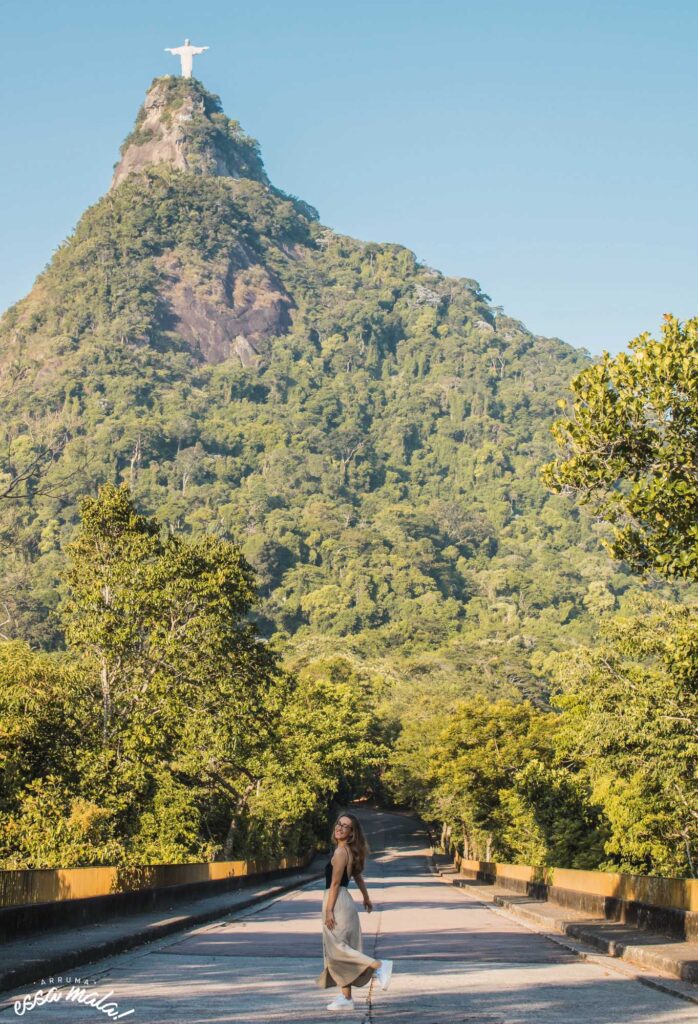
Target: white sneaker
384, 973
340, 1002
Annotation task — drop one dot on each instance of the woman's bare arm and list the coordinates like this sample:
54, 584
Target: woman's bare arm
359, 879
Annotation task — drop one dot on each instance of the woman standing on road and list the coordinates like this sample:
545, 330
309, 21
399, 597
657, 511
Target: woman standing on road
345, 963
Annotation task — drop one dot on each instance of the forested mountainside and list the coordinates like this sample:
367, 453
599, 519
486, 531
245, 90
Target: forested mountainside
368, 430
221, 417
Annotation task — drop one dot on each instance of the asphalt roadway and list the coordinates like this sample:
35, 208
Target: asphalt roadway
457, 961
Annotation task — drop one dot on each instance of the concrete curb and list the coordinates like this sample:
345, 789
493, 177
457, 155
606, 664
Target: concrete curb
59, 961
645, 958
682, 987
640, 955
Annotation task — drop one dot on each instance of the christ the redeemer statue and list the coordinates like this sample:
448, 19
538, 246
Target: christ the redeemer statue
186, 55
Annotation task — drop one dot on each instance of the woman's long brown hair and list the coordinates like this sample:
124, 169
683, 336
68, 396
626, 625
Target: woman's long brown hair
358, 844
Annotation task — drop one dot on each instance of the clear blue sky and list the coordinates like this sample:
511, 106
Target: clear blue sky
546, 149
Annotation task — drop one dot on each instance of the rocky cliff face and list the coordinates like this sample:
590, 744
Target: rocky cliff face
182, 125
232, 309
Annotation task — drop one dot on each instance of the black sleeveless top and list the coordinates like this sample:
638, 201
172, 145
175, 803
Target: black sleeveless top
328, 875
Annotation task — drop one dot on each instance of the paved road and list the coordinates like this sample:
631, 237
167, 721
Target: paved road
457, 961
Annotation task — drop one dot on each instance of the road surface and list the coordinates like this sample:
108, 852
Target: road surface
457, 961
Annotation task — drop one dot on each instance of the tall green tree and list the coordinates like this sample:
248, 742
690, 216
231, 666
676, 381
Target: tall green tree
629, 701
630, 448
181, 672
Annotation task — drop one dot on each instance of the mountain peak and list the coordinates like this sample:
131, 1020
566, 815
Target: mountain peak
183, 125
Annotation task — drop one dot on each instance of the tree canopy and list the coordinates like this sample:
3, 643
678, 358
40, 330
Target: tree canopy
168, 730
630, 447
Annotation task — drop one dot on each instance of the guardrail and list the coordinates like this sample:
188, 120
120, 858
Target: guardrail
646, 901
44, 885
39, 899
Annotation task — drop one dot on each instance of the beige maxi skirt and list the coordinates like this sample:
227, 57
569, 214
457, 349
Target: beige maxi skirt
345, 963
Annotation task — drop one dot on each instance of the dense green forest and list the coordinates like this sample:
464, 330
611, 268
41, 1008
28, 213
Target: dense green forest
351, 442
